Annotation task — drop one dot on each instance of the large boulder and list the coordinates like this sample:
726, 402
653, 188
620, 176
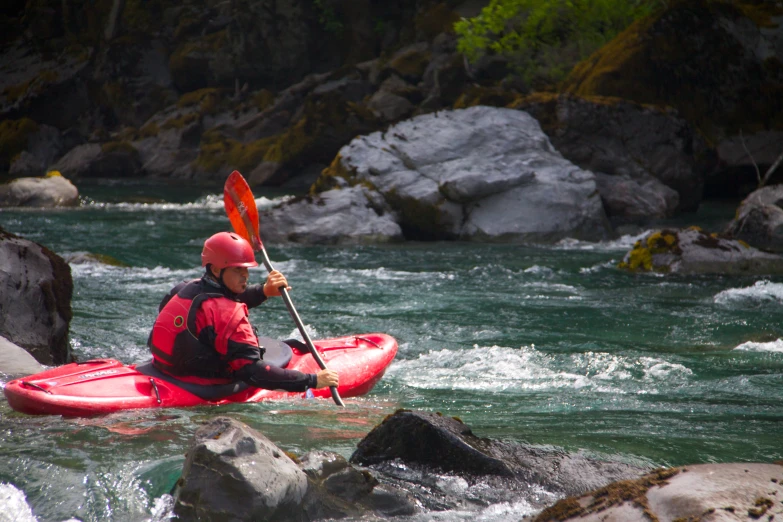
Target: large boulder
651, 157
50, 191
35, 306
705, 75
759, 219
481, 173
233, 472
693, 251
740, 491
442, 444
338, 216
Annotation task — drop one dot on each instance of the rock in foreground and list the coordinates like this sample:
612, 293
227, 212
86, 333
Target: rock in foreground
693, 251
35, 305
705, 492
759, 219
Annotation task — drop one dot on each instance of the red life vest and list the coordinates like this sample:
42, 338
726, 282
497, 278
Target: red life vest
178, 349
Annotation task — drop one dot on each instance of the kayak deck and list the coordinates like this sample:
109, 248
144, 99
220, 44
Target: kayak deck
104, 386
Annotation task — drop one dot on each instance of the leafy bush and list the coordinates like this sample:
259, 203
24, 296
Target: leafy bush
544, 39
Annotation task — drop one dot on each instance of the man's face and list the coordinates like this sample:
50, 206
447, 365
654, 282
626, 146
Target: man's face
235, 278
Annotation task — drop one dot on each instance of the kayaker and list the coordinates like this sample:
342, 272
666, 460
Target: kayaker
203, 334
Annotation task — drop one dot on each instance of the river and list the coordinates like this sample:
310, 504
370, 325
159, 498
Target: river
548, 345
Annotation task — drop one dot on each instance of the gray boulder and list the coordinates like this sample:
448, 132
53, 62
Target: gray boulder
338, 216
481, 173
654, 147
233, 472
759, 219
35, 305
16, 361
693, 251
701, 492
49, 191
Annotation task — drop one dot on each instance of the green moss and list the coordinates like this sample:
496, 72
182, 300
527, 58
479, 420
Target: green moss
13, 137
207, 99
32, 87
492, 96
149, 130
216, 151
180, 121
211, 43
640, 258
263, 99
122, 147
326, 181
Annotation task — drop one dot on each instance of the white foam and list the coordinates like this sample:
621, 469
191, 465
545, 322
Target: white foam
761, 292
13, 505
772, 347
625, 242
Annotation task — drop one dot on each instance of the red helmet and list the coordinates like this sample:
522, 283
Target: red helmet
226, 249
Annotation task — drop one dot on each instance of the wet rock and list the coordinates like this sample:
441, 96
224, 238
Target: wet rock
759, 219
632, 142
693, 251
234, 472
35, 305
445, 445
743, 491
50, 191
16, 361
341, 216
481, 173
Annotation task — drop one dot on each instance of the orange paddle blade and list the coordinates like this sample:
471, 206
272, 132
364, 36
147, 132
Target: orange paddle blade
241, 209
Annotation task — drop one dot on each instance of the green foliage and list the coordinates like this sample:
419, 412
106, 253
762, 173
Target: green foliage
327, 17
544, 39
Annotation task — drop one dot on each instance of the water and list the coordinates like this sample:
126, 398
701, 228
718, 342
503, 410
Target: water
546, 345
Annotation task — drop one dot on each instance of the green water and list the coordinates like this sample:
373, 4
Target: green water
546, 345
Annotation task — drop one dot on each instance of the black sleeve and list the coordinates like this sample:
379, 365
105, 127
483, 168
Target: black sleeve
252, 296
264, 375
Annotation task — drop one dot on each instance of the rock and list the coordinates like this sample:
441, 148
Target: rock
35, 306
629, 199
741, 491
50, 191
234, 472
480, 173
341, 216
444, 444
43, 147
389, 106
704, 76
112, 159
647, 145
693, 251
759, 219
16, 361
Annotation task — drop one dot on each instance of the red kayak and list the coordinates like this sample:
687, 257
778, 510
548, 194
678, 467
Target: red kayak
106, 385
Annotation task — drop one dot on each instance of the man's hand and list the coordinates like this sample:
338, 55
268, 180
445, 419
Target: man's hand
327, 378
274, 281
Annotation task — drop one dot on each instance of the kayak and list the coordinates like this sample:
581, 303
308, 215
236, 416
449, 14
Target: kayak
102, 386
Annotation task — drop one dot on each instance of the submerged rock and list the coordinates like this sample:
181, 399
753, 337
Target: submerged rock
35, 305
481, 173
693, 251
50, 191
701, 492
443, 444
759, 219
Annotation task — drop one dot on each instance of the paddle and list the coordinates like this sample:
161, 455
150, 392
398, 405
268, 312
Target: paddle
243, 214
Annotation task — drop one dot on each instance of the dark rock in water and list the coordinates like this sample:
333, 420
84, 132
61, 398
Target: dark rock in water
35, 304
759, 219
446, 444
693, 251
701, 492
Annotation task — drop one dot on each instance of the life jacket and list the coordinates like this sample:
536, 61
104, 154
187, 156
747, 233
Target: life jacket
178, 350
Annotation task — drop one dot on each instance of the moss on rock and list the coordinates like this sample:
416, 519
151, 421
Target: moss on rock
491, 96
13, 137
640, 258
217, 151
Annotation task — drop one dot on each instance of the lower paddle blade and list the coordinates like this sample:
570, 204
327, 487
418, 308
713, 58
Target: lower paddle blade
241, 209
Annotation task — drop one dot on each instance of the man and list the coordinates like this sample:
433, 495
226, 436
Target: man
203, 335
